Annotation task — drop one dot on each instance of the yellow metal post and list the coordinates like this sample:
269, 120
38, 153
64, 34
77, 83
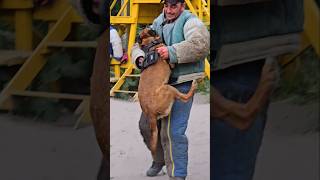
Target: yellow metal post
117, 73
207, 68
36, 61
23, 29
144, 12
133, 28
312, 23
200, 10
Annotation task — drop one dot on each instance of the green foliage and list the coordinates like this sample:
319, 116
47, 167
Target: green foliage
38, 108
204, 86
84, 33
304, 85
131, 84
6, 36
67, 71
74, 68
116, 8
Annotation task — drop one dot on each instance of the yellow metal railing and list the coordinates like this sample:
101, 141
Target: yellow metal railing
144, 12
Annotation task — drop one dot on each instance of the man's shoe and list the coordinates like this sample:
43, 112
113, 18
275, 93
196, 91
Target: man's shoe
155, 168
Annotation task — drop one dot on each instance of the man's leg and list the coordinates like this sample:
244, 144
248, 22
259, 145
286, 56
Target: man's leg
158, 159
173, 138
234, 151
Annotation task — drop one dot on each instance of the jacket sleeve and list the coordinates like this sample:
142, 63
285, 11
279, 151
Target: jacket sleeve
136, 52
196, 45
116, 44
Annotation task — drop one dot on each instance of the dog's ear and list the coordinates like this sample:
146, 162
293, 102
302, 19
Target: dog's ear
144, 34
139, 40
152, 33
145, 31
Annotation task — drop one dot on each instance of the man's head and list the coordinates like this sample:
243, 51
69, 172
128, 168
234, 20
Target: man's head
173, 8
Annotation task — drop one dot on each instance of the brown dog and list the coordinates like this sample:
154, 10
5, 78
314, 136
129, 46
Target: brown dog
156, 97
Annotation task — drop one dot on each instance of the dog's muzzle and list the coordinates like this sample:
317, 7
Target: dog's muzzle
152, 56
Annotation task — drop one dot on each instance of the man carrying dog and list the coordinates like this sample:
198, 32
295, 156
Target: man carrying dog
186, 41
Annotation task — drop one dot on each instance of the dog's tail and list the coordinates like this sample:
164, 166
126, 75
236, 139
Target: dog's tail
185, 97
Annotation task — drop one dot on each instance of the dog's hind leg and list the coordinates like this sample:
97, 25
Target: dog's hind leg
154, 134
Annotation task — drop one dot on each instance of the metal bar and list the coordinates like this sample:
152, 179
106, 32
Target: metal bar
13, 57
123, 91
113, 4
122, 19
23, 29
206, 10
133, 29
121, 80
48, 95
117, 73
122, 7
73, 44
311, 23
133, 75
81, 106
207, 68
191, 8
146, 1
204, 2
200, 9
85, 115
286, 59
10, 4
36, 61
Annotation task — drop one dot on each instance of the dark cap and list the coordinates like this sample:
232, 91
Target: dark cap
172, 1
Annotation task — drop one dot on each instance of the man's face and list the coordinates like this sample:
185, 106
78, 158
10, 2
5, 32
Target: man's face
172, 11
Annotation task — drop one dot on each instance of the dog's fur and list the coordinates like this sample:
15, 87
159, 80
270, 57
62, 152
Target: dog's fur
99, 106
156, 97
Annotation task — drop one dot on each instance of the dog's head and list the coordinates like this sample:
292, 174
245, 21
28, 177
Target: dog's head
146, 36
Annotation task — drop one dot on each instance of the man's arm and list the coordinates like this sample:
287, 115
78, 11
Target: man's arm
196, 45
137, 55
241, 115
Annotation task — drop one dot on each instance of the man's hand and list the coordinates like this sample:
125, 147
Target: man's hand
163, 51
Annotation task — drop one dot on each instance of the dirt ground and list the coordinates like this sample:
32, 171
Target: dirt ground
38, 151
291, 145
130, 157
290, 148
